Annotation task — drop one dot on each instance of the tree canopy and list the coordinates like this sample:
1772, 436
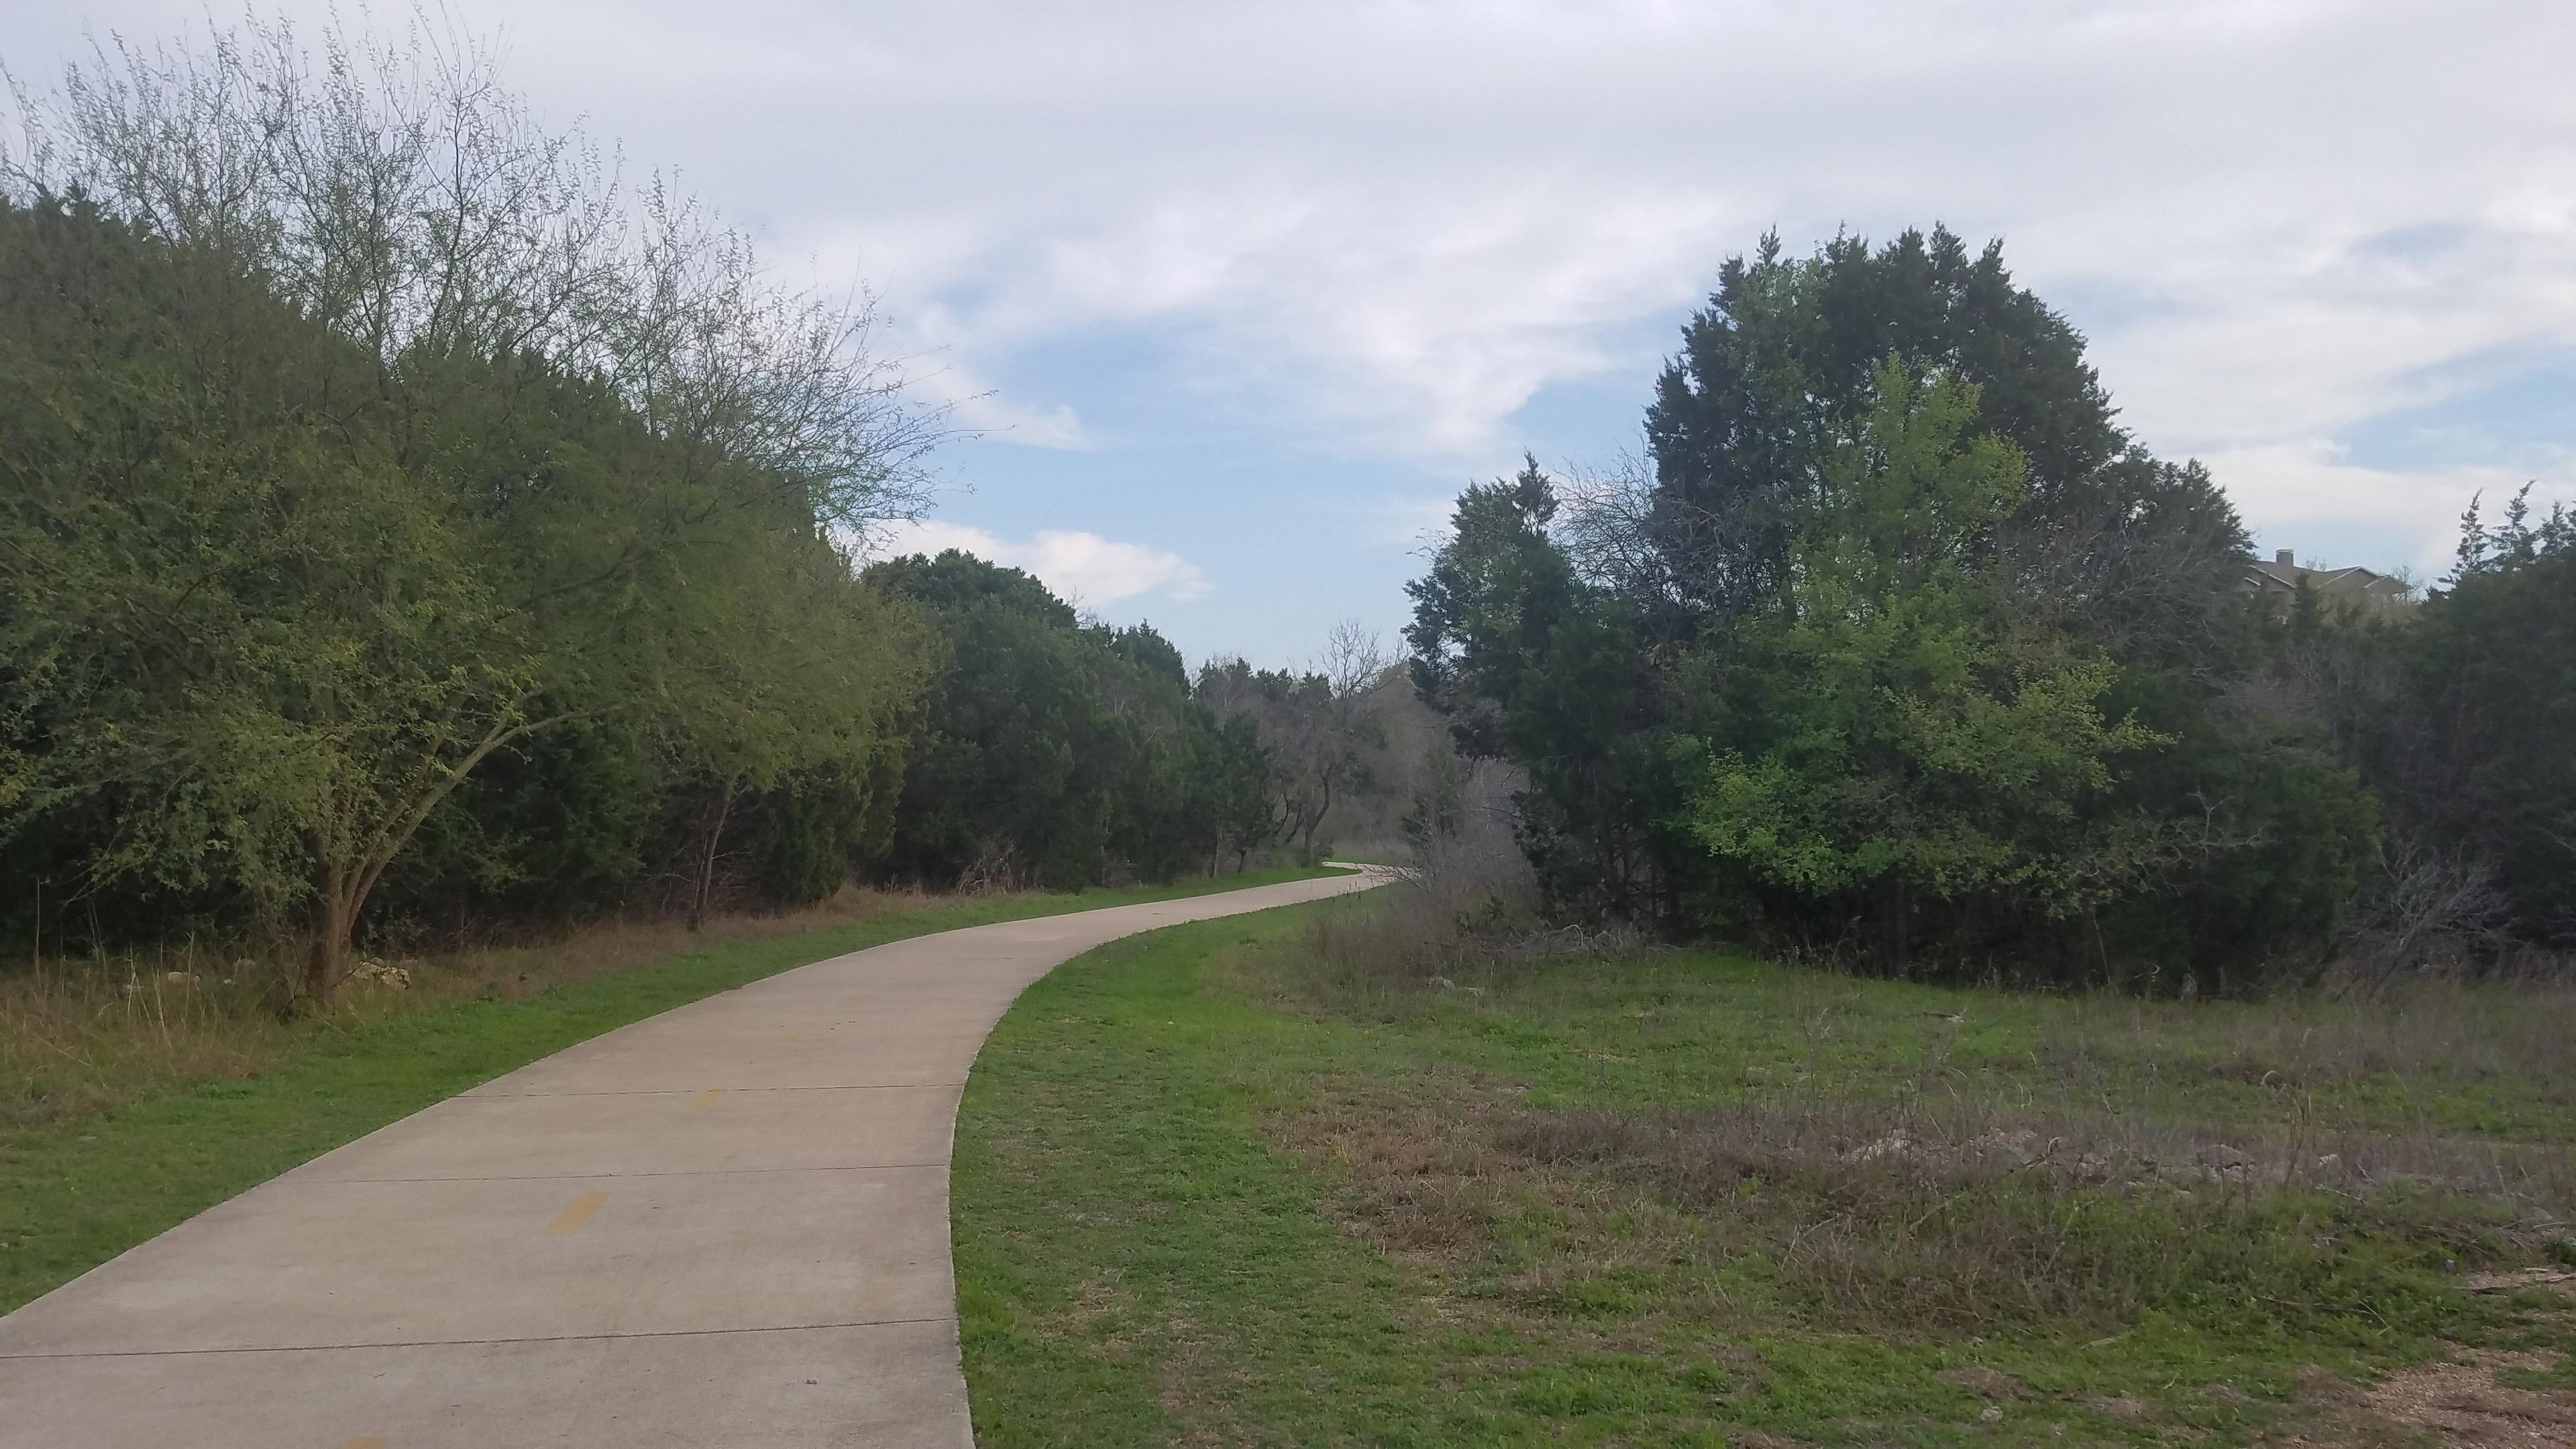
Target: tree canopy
1896, 643
360, 436
403, 527
1050, 752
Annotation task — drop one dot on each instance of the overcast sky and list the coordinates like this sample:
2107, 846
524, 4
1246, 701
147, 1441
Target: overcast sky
1243, 294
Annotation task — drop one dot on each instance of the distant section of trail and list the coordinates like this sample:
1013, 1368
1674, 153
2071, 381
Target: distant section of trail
726, 1225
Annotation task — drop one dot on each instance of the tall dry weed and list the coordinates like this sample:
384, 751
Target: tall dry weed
83, 1035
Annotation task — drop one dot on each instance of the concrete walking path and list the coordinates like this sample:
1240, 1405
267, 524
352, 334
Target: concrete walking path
726, 1225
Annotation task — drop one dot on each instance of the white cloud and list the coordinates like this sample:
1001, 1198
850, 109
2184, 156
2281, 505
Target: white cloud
2313, 491
983, 410
1392, 225
990, 415
1395, 225
1087, 570
1419, 521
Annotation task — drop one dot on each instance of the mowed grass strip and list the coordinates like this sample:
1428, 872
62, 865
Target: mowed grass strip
79, 1189
1231, 1183
1134, 1265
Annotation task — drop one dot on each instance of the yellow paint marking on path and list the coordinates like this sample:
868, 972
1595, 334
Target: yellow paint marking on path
579, 1212
365, 1441
707, 1098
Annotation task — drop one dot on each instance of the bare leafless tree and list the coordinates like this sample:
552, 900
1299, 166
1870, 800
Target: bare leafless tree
1319, 724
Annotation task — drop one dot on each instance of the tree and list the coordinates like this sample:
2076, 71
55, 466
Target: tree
1340, 724
1537, 665
365, 438
1315, 728
2493, 661
1902, 738
1781, 364
1052, 752
242, 618
1970, 677
1003, 784
1239, 804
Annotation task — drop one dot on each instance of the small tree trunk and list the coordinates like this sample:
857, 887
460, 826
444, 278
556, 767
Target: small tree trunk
333, 920
1306, 852
706, 884
344, 886
1898, 923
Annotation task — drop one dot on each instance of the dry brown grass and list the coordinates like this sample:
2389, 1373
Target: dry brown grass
2459, 1403
82, 1035
2437, 1035
607, 947
1949, 1220
1844, 1151
2464, 1405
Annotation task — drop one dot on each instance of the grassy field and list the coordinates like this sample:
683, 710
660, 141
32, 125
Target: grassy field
130, 1103
1288, 1180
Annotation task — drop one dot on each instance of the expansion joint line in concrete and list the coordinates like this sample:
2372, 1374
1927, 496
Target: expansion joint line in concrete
468, 1342
479, 1095
621, 1176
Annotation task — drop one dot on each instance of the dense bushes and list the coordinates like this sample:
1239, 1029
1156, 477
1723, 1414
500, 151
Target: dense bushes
413, 534
2458, 718
276, 594
2493, 666
1903, 648
1054, 753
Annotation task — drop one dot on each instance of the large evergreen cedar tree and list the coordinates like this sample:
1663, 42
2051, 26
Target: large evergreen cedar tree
1901, 647
1905, 735
1542, 667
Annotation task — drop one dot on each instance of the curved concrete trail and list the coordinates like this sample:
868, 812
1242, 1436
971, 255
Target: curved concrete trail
723, 1226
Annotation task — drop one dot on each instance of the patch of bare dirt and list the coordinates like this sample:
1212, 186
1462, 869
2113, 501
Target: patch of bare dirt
1985, 1383
2463, 1405
2123, 1408
2557, 1278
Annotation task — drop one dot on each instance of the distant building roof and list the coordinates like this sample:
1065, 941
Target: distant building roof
2282, 576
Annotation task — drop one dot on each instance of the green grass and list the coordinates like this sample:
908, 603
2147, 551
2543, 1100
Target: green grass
1218, 1184
1116, 1220
78, 1191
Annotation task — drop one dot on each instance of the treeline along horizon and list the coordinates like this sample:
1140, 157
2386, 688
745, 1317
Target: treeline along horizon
406, 531
1896, 648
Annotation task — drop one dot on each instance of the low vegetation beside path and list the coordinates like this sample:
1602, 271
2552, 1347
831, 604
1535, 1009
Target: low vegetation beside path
136, 1093
1310, 1178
